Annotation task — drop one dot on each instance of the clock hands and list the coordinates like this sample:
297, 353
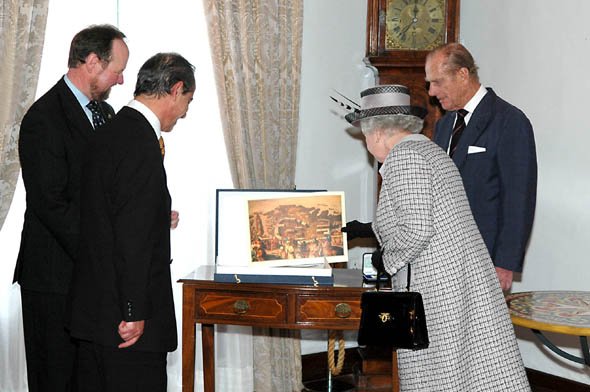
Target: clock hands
413, 22
403, 31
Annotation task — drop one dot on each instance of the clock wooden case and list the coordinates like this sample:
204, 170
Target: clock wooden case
400, 33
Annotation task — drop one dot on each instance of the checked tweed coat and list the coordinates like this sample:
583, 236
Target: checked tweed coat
423, 218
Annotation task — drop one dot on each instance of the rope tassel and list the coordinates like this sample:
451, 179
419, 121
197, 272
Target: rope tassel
336, 368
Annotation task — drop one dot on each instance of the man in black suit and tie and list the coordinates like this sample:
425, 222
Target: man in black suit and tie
122, 310
53, 137
493, 145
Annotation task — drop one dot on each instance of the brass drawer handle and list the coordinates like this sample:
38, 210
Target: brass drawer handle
343, 310
241, 306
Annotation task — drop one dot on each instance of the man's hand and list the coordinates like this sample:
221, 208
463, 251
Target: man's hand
174, 218
130, 332
505, 277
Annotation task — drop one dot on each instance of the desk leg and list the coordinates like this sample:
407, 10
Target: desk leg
208, 341
188, 341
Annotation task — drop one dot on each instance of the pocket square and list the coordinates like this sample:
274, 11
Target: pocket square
475, 149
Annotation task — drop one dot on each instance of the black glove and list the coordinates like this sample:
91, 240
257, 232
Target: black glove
377, 261
382, 275
356, 229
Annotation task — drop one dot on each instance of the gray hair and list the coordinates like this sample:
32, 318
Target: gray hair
391, 124
161, 72
456, 56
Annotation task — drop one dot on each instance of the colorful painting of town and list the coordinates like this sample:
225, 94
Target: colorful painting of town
296, 227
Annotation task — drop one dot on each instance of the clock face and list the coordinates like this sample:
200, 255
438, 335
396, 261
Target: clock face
414, 24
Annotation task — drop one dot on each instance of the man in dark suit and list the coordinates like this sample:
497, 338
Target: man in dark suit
122, 310
53, 136
493, 145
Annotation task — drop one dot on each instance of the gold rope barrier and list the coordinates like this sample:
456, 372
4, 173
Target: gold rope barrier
335, 369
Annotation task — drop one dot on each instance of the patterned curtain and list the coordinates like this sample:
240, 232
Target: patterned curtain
256, 49
22, 32
22, 28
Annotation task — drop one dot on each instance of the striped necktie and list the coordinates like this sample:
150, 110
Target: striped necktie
457, 130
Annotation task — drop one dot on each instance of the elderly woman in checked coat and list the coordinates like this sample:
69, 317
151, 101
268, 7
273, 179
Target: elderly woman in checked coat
423, 219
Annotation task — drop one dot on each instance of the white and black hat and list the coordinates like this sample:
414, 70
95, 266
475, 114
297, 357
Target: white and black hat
385, 100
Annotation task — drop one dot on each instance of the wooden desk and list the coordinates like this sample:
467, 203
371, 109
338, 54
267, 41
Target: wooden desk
565, 312
262, 305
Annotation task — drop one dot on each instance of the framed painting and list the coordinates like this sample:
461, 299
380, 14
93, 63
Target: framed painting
256, 229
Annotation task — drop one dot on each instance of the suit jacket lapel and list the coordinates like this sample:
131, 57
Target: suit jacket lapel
477, 125
443, 132
149, 132
73, 111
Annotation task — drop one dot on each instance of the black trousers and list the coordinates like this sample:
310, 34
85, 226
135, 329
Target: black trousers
111, 369
50, 352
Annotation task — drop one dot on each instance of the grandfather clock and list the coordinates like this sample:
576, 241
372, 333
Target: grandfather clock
400, 33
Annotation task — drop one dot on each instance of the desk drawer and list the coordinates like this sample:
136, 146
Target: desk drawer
321, 310
242, 307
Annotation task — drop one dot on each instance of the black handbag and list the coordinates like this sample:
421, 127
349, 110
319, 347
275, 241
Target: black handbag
393, 319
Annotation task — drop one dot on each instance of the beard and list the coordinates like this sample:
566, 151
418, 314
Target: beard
96, 94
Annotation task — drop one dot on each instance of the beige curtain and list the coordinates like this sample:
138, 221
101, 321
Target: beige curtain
256, 48
22, 32
22, 28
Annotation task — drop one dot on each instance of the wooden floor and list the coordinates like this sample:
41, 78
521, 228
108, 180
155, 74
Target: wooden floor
345, 383
315, 369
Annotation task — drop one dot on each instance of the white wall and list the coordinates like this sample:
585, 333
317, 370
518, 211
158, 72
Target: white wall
328, 157
536, 55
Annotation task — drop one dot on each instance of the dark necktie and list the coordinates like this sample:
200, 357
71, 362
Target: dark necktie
97, 117
162, 148
457, 130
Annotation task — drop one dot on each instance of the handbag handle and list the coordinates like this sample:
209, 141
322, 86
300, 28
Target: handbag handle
379, 274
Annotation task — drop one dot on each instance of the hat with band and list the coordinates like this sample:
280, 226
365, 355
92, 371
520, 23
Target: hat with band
385, 100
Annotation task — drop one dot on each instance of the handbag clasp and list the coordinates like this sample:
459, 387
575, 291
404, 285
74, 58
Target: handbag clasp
385, 317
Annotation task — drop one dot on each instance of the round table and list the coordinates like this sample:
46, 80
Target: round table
565, 312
